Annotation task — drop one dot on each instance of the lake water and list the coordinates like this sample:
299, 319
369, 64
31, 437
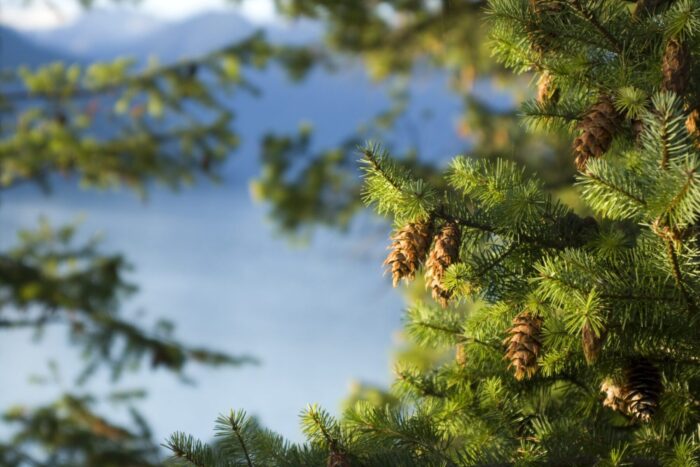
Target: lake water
318, 317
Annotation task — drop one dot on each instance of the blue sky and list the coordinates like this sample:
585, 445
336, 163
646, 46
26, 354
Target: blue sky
43, 14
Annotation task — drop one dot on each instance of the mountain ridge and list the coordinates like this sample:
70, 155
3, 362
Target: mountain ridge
100, 34
17, 49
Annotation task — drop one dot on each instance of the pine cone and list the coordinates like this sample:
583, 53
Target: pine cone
614, 396
597, 130
547, 92
546, 6
637, 129
642, 388
592, 343
692, 124
445, 252
461, 355
523, 344
408, 250
338, 459
676, 67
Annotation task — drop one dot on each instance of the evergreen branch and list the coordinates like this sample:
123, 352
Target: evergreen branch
21, 455
235, 426
393, 189
665, 142
682, 193
423, 387
189, 457
370, 153
490, 229
610, 192
415, 29
417, 441
244, 50
664, 131
497, 347
237, 431
631, 196
677, 274
437, 327
498, 260
28, 323
191, 450
591, 18
469, 223
549, 117
634, 298
332, 442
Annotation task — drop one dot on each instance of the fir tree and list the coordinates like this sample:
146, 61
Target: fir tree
599, 314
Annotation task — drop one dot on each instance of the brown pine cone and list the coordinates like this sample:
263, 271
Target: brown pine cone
692, 124
597, 130
338, 459
614, 396
541, 7
445, 252
592, 343
676, 67
523, 344
461, 354
637, 129
642, 389
408, 250
547, 92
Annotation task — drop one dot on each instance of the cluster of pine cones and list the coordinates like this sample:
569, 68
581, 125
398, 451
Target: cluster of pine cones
602, 121
409, 249
415, 245
637, 395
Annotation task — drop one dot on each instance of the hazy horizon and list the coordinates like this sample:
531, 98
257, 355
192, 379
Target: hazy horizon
40, 16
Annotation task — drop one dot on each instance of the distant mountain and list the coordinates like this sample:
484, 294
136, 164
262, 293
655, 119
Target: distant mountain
192, 37
209, 31
16, 49
98, 33
105, 34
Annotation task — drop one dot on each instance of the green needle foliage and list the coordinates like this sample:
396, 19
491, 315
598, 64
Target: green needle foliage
576, 337
82, 435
